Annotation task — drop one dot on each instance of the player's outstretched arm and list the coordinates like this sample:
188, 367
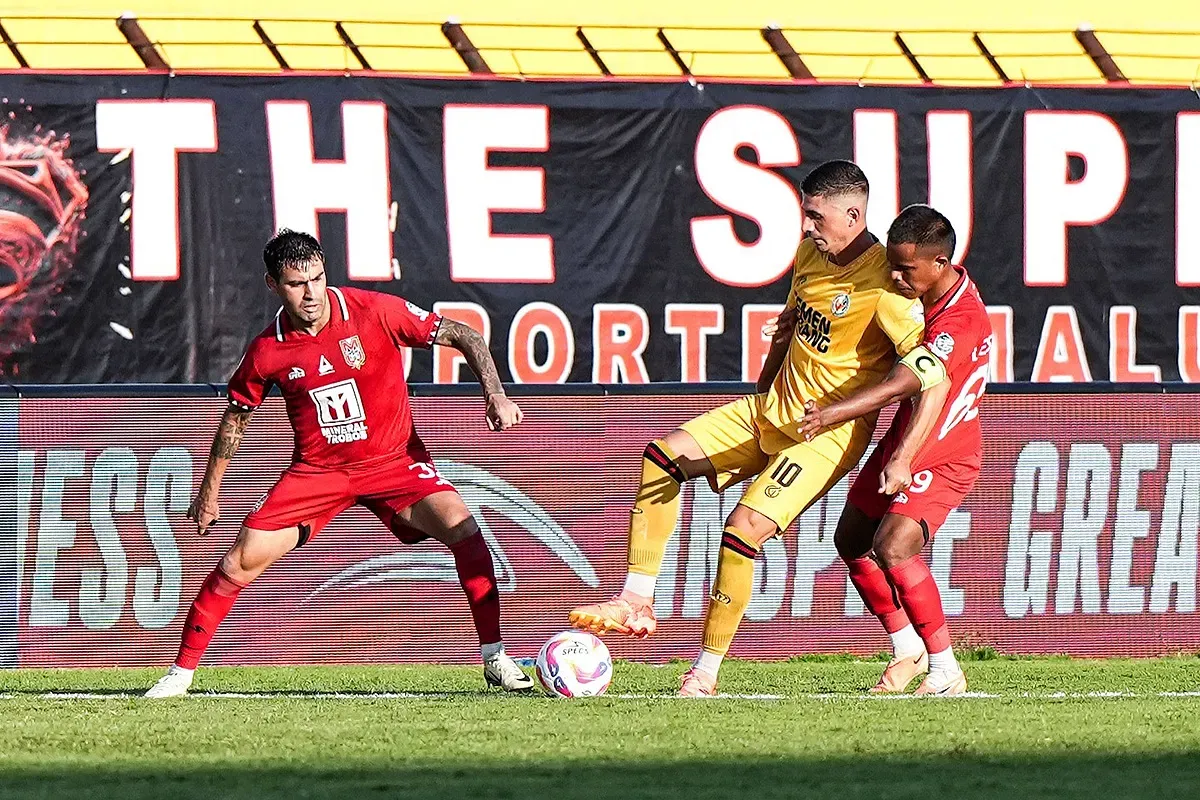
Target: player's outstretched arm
205, 509
502, 413
897, 473
901, 383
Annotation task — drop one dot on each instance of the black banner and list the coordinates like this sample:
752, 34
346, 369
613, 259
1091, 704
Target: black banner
596, 231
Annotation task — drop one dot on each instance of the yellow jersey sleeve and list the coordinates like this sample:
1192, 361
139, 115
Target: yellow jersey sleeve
903, 320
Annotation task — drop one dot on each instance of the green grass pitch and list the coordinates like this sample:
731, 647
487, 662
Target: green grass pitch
1038, 728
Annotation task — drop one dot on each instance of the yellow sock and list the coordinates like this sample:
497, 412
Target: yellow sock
655, 511
731, 590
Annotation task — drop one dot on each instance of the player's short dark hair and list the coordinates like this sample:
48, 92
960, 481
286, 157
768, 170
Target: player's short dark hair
923, 225
290, 248
835, 178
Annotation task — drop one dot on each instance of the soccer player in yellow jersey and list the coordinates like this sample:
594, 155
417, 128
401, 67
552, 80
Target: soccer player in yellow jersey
850, 324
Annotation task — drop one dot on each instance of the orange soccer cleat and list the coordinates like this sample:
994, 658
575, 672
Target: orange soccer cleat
632, 616
900, 672
698, 683
942, 683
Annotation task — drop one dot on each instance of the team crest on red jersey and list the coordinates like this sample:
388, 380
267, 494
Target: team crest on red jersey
352, 351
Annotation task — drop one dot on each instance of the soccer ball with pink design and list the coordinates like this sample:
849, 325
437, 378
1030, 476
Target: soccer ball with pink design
574, 664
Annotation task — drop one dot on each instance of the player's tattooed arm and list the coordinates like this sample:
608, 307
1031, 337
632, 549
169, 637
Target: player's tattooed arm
502, 413
205, 510
229, 434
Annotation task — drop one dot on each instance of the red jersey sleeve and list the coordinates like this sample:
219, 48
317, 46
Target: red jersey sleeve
248, 388
948, 336
409, 325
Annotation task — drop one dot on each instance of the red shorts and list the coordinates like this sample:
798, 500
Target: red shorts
934, 492
309, 497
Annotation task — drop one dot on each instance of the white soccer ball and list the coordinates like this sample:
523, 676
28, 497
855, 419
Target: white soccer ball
574, 664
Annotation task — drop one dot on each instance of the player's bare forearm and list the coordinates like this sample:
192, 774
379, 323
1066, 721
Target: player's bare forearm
925, 416
774, 360
475, 351
225, 445
901, 383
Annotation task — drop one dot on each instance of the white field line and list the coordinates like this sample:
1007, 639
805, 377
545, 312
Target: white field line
450, 696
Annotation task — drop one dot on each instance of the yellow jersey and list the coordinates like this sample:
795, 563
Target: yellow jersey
852, 325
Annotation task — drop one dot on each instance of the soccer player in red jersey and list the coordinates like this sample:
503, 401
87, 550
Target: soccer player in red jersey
927, 461
335, 355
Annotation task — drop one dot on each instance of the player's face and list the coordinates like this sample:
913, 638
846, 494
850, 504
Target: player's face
302, 290
915, 268
832, 222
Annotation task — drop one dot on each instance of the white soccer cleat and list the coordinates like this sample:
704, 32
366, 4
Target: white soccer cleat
500, 670
174, 684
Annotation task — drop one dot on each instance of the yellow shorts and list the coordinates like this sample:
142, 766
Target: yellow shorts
789, 475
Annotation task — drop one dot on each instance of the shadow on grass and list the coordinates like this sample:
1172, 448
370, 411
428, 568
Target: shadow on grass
1111, 775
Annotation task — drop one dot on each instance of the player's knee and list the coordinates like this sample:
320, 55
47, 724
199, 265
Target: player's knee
897, 540
239, 567
752, 524
660, 453
460, 531
854, 533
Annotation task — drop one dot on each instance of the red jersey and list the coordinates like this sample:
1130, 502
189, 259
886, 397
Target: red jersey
959, 333
344, 388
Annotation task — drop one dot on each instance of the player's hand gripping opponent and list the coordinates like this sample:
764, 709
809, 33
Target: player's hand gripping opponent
502, 413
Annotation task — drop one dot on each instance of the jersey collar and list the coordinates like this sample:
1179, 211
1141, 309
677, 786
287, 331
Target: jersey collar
953, 296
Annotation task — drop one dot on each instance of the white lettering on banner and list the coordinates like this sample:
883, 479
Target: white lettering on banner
26, 464
704, 544
950, 168
168, 491
154, 133
668, 572
1052, 200
54, 533
1131, 523
1175, 563
814, 553
1089, 479
114, 489
474, 191
358, 184
770, 582
1027, 568
1187, 198
749, 190
956, 527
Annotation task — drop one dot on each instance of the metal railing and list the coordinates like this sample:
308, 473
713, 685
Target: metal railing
983, 62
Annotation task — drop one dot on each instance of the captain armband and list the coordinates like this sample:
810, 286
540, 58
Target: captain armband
929, 369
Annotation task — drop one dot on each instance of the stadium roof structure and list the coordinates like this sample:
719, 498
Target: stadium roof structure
537, 39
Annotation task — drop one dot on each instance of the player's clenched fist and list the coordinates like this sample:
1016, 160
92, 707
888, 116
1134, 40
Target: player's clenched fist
204, 512
896, 476
502, 413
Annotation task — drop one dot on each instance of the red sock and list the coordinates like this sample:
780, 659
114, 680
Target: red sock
473, 561
920, 597
217, 595
877, 593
